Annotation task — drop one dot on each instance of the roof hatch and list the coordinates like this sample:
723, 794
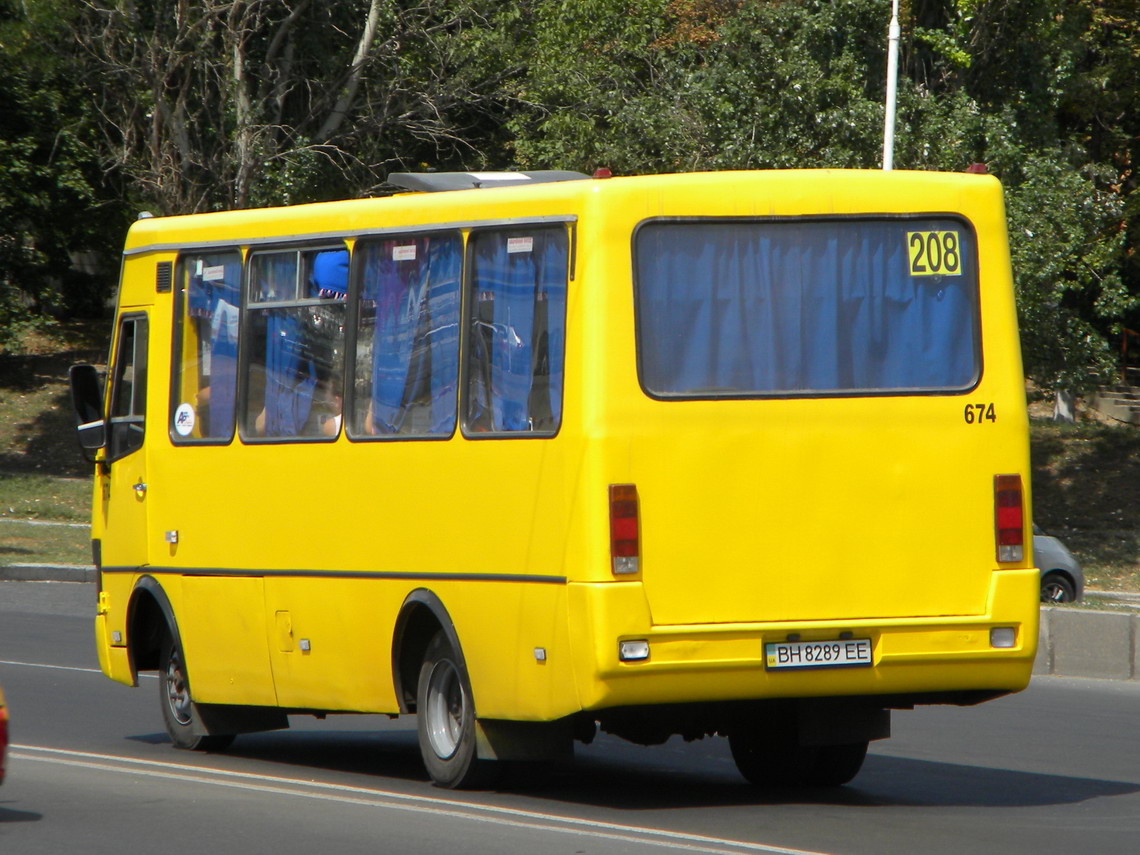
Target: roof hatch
433, 182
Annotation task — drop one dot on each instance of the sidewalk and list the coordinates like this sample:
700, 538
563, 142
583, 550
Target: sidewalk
1073, 642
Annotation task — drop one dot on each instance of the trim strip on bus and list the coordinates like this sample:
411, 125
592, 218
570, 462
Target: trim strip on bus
342, 574
306, 237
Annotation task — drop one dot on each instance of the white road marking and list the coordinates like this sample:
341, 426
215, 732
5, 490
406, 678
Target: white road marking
65, 668
386, 799
50, 667
44, 522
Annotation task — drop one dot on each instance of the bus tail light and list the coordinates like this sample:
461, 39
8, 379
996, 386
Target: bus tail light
1009, 518
625, 533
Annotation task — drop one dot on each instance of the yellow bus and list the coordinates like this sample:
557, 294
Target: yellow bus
533, 454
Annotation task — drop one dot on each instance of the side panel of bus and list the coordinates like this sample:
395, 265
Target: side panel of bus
285, 565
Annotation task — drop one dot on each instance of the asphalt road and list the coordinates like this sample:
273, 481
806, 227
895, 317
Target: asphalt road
1055, 769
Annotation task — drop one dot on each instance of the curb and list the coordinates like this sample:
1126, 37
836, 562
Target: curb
47, 573
1081, 643
1071, 642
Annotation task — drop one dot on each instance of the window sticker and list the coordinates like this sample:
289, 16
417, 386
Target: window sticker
216, 273
184, 419
934, 253
520, 244
404, 253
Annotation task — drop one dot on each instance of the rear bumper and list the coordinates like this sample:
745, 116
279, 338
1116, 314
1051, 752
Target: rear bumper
920, 657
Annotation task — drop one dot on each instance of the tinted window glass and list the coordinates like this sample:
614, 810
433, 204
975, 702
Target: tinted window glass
806, 307
407, 343
516, 331
128, 389
206, 346
295, 330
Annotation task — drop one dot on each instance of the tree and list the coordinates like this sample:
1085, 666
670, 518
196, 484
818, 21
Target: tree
233, 103
50, 183
1043, 91
1051, 80
190, 105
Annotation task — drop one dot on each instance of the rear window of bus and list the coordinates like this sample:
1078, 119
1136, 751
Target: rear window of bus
806, 307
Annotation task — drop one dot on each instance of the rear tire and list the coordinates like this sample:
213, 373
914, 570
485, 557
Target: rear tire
776, 760
445, 720
836, 765
179, 712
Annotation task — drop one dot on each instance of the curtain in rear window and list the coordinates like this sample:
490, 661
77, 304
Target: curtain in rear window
806, 307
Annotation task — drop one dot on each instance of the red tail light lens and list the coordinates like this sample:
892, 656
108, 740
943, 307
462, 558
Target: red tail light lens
1009, 518
625, 532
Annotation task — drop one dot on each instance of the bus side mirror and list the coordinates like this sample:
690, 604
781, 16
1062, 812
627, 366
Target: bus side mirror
87, 400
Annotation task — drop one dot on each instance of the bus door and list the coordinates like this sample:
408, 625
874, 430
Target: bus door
123, 477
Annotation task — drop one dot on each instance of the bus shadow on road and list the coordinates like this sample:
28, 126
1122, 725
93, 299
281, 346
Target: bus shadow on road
387, 753
883, 782
926, 783
624, 777
10, 815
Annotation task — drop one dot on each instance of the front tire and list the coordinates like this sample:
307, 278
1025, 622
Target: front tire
179, 712
445, 720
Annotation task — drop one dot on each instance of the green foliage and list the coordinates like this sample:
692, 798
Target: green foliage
177, 107
1066, 244
1030, 87
49, 175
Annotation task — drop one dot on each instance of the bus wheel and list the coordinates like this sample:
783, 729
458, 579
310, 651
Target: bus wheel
445, 720
835, 765
770, 761
179, 712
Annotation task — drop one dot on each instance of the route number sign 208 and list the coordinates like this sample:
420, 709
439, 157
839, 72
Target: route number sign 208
934, 253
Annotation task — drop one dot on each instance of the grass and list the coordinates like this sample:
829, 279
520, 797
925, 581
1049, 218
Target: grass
1086, 491
1086, 477
43, 477
45, 497
24, 542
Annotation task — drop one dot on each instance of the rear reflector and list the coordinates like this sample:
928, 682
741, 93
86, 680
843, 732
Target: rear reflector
1003, 637
633, 651
1009, 518
625, 536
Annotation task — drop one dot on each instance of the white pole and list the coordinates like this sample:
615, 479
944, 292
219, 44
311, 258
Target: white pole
892, 88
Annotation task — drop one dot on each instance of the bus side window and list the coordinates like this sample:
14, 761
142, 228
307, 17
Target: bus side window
206, 346
295, 325
407, 343
128, 389
516, 346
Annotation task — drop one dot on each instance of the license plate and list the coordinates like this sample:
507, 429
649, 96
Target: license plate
845, 653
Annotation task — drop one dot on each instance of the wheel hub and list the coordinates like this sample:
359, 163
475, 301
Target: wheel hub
445, 709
